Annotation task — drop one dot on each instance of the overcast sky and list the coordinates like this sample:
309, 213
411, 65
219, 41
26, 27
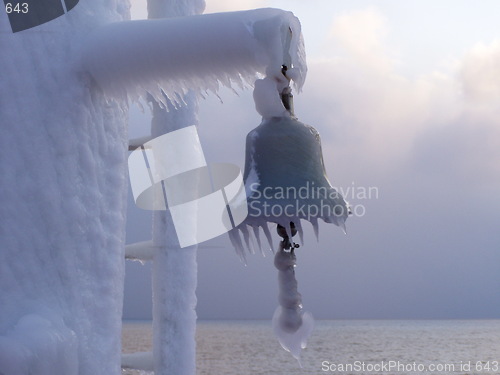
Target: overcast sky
406, 97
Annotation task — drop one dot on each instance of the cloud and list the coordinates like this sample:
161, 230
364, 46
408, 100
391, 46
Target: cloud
361, 34
447, 121
139, 7
214, 6
480, 73
466, 149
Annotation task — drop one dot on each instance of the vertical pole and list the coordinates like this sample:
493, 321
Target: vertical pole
174, 273
174, 269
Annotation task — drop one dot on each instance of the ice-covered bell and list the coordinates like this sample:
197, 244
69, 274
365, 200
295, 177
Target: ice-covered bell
285, 177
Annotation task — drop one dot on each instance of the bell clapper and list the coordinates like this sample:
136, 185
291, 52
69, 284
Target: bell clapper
287, 242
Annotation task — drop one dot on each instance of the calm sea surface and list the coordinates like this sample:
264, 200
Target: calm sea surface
341, 347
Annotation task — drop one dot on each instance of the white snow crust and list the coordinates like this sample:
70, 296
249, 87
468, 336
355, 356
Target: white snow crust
26, 347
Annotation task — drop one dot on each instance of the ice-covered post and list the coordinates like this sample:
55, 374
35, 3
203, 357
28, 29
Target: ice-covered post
174, 269
63, 194
174, 272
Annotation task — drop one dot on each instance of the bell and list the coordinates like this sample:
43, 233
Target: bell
285, 178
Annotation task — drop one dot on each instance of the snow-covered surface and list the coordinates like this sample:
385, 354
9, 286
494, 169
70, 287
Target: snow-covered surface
199, 53
63, 188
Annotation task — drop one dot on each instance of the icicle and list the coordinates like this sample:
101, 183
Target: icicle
253, 240
265, 228
235, 238
257, 237
298, 225
341, 218
314, 222
293, 342
341, 224
246, 236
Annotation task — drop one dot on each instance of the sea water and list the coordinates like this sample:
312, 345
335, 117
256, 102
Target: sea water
340, 347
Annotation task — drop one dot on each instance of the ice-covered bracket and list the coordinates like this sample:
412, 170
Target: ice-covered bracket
200, 53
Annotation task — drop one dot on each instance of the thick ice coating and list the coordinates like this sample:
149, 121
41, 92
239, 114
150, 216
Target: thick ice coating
292, 326
63, 201
267, 99
198, 52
